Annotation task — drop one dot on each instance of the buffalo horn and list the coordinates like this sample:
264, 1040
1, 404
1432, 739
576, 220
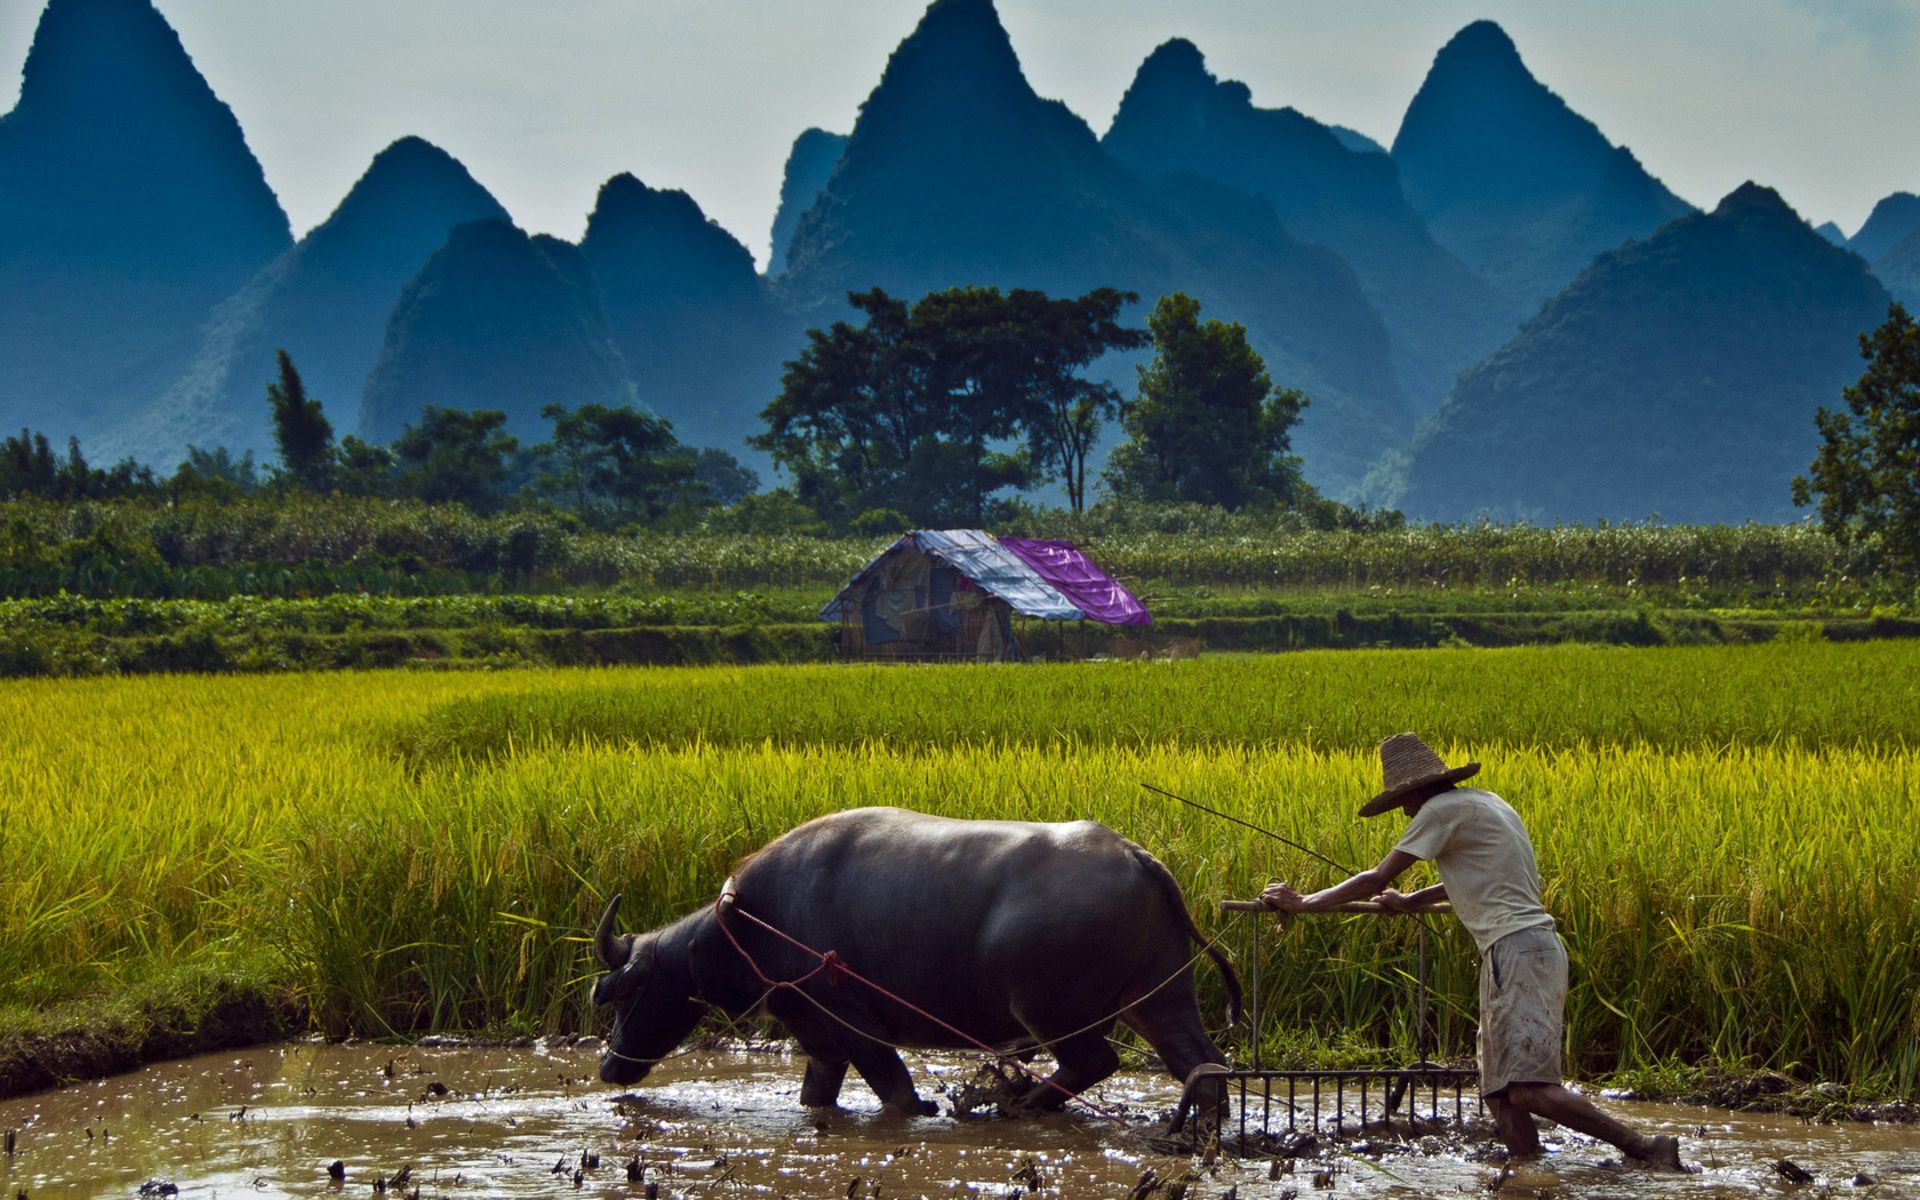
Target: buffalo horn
613, 948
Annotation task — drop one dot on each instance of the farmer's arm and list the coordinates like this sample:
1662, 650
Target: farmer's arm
1412, 901
1363, 886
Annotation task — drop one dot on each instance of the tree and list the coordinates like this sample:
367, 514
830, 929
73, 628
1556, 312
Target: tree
364, 468
726, 480
29, 467
301, 432
924, 409
850, 413
1065, 411
1867, 471
215, 473
1207, 425
620, 460
456, 455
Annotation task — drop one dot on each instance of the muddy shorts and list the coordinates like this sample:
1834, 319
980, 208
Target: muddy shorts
1523, 999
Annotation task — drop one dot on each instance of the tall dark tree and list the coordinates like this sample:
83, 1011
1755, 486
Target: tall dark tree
1867, 471
301, 432
850, 412
1065, 410
979, 359
456, 455
1207, 425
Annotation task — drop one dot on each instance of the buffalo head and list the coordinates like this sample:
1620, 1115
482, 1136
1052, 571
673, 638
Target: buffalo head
650, 986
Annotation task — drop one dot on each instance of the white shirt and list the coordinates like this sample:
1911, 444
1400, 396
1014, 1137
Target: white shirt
1486, 860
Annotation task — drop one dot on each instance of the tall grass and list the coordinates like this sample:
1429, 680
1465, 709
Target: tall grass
426, 852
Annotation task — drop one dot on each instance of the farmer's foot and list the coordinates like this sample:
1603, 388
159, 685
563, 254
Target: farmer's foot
1660, 1153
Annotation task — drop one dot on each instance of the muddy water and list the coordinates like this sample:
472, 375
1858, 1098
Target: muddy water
522, 1122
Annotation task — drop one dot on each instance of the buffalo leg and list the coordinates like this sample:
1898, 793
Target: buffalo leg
820, 1086
826, 1060
881, 1067
1170, 1023
1083, 1060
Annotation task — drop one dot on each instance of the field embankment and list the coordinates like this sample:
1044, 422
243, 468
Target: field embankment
1725, 833
306, 584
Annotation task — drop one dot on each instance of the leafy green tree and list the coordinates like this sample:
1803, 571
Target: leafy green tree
931, 410
726, 480
1207, 425
29, 467
301, 432
621, 461
1867, 471
456, 455
214, 473
1065, 411
364, 468
849, 414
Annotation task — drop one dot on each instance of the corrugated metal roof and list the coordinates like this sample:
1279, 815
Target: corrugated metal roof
976, 554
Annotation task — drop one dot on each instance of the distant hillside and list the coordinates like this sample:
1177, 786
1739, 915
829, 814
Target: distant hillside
701, 342
1891, 220
1511, 179
129, 205
325, 301
1831, 232
1899, 269
809, 165
1679, 376
957, 173
495, 319
1177, 118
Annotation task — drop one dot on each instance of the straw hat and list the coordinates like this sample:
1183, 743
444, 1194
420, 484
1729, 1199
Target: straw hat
1408, 763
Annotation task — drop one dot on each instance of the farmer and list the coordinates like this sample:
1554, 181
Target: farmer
1487, 870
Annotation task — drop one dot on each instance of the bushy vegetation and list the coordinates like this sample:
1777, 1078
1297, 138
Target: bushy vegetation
1728, 847
400, 547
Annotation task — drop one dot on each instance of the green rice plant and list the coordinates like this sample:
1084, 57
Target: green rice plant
1725, 834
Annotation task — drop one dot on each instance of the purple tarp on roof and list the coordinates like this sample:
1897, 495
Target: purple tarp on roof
1090, 589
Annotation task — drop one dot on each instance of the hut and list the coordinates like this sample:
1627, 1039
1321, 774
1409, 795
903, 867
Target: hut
942, 595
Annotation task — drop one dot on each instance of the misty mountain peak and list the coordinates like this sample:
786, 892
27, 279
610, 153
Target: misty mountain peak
636, 230
411, 194
1511, 178
1173, 62
92, 55
955, 77
1892, 219
1753, 201
810, 164
1480, 48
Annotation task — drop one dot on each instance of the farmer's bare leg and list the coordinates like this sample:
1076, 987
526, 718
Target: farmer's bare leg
1575, 1111
1516, 1128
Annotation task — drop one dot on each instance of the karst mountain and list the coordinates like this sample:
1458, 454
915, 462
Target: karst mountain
1677, 377
1505, 313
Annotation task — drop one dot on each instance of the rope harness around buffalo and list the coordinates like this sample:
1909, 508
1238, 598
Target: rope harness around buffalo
835, 969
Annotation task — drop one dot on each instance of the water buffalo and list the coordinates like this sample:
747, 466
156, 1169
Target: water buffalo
1013, 932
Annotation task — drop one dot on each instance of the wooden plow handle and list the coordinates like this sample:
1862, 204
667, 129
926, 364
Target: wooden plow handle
1281, 917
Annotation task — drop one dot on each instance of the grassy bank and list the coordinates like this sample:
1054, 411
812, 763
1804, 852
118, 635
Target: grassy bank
73, 635
1725, 833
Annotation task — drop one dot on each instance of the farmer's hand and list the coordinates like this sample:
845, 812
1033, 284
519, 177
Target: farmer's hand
1281, 896
1396, 902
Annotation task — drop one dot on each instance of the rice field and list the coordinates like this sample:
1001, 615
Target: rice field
1727, 834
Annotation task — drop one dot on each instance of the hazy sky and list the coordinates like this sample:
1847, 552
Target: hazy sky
544, 100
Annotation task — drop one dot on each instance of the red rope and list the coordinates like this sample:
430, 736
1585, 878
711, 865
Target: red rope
836, 969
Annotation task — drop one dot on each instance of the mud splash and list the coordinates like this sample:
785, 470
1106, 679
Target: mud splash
455, 1121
